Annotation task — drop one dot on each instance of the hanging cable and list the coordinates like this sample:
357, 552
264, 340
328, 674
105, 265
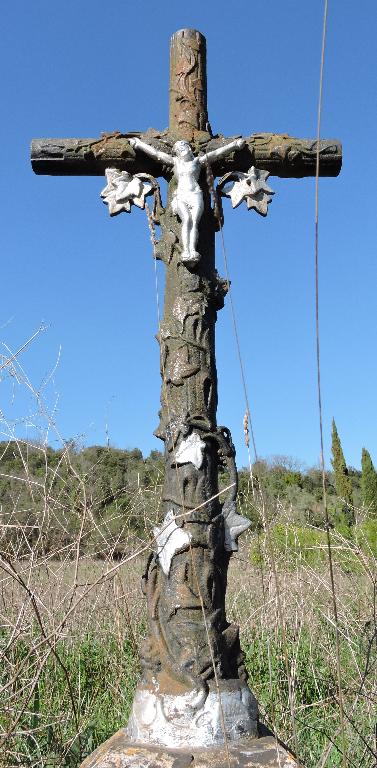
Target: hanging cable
319, 394
247, 425
216, 207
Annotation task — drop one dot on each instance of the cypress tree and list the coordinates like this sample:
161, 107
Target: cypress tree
368, 483
342, 480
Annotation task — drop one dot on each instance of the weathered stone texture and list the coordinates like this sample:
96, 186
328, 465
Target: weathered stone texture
265, 752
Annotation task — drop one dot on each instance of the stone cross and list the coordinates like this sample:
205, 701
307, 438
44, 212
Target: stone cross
193, 691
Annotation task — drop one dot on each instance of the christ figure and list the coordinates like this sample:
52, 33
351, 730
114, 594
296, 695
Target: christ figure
187, 202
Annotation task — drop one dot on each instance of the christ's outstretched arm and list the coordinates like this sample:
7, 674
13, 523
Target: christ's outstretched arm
163, 157
221, 151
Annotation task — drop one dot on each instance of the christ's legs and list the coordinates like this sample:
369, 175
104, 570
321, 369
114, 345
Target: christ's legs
186, 231
196, 212
184, 214
189, 207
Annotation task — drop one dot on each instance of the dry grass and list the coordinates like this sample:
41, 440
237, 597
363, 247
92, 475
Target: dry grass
71, 625
55, 613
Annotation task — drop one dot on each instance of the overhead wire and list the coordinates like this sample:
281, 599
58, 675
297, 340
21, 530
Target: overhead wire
247, 418
319, 390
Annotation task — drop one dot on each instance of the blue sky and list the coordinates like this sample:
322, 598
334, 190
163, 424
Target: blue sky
79, 68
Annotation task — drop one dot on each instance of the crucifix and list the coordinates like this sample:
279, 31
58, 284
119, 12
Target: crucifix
194, 689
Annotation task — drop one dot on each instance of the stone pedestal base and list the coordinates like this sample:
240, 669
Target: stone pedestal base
195, 718
119, 752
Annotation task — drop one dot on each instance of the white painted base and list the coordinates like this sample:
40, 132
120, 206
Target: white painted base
177, 721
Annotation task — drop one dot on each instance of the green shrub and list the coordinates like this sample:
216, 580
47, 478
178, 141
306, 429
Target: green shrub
102, 675
296, 543
365, 535
308, 545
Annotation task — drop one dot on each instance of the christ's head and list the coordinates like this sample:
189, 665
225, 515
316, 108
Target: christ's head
183, 150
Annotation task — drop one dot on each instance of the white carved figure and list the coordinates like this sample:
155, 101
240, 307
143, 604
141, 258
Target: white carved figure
123, 190
250, 186
187, 202
191, 450
170, 539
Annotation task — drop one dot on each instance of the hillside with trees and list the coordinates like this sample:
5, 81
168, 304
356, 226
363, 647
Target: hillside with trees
109, 496
76, 527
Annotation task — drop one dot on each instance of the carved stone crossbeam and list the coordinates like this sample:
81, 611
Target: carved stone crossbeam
279, 154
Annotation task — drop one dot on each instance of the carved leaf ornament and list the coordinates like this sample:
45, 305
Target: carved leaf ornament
124, 190
191, 451
170, 539
250, 187
234, 525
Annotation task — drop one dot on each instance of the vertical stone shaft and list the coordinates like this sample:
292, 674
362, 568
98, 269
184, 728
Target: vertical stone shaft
177, 652
188, 84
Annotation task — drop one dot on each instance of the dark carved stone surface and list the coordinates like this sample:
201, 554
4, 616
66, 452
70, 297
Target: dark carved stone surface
281, 155
177, 652
188, 84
